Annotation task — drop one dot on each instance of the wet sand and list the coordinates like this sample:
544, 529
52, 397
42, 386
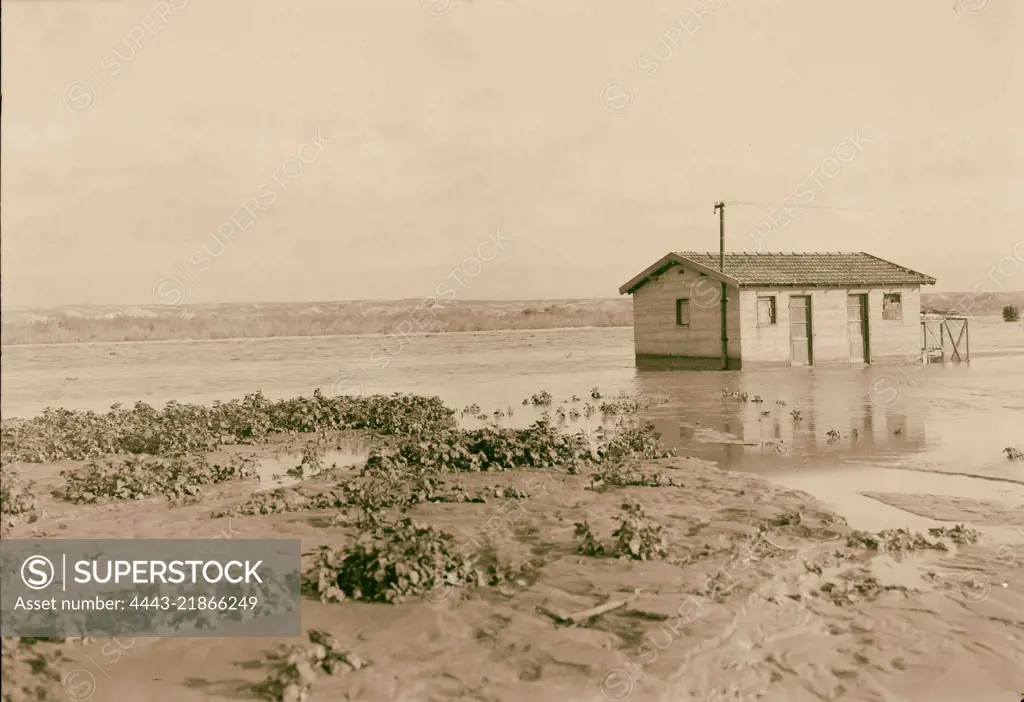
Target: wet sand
791, 614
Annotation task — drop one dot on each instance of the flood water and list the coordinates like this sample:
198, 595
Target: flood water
895, 420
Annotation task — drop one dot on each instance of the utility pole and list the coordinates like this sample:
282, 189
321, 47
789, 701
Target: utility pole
720, 209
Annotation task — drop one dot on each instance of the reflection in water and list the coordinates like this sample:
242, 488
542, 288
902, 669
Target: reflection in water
351, 451
785, 420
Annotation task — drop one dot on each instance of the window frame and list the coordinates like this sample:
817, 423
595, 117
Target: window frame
773, 307
887, 306
679, 311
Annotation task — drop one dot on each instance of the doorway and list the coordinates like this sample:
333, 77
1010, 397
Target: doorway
857, 327
800, 332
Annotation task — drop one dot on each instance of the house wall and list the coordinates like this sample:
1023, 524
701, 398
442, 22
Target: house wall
895, 340
656, 334
770, 345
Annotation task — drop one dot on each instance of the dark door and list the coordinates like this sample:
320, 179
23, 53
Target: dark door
857, 326
800, 329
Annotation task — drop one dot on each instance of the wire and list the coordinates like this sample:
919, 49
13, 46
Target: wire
807, 207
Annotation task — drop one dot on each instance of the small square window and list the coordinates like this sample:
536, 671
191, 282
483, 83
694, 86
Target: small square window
683, 312
892, 306
765, 311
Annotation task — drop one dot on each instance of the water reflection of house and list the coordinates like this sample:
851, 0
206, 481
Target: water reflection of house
802, 408
780, 309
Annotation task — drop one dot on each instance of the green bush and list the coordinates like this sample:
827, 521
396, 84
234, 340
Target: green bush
1011, 314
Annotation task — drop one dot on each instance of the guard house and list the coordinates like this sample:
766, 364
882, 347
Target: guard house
781, 309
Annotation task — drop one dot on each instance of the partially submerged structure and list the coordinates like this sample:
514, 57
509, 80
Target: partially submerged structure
780, 309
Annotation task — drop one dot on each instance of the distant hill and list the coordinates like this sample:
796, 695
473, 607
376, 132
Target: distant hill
262, 320
975, 304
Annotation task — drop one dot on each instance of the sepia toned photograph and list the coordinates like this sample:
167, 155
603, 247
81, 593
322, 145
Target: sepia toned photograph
512, 350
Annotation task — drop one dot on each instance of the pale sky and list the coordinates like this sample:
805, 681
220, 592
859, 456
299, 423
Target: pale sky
439, 127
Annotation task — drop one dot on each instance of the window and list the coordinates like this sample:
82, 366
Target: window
683, 312
765, 311
892, 306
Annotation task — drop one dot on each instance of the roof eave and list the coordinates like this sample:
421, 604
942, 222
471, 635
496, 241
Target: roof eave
665, 261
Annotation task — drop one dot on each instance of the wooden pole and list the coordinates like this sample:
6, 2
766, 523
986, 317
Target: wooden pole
720, 208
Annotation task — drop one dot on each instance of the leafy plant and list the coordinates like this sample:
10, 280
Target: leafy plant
1013, 454
276, 501
1011, 313
390, 562
312, 461
29, 673
489, 448
853, 586
179, 429
637, 536
138, 479
894, 540
624, 404
590, 545
627, 439
294, 669
627, 472
17, 500
542, 398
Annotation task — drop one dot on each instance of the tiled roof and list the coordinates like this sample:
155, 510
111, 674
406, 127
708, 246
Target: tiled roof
809, 269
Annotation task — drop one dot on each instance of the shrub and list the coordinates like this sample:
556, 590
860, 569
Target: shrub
17, 501
179, 430
390, 562
627, 472
276, 501
1011, 314
138, 479
373, 494
629, 440
1013, 454
489, 448
590, 545
638, 537
540, 399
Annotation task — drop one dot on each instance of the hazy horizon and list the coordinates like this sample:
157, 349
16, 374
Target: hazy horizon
134, 131
926, 292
